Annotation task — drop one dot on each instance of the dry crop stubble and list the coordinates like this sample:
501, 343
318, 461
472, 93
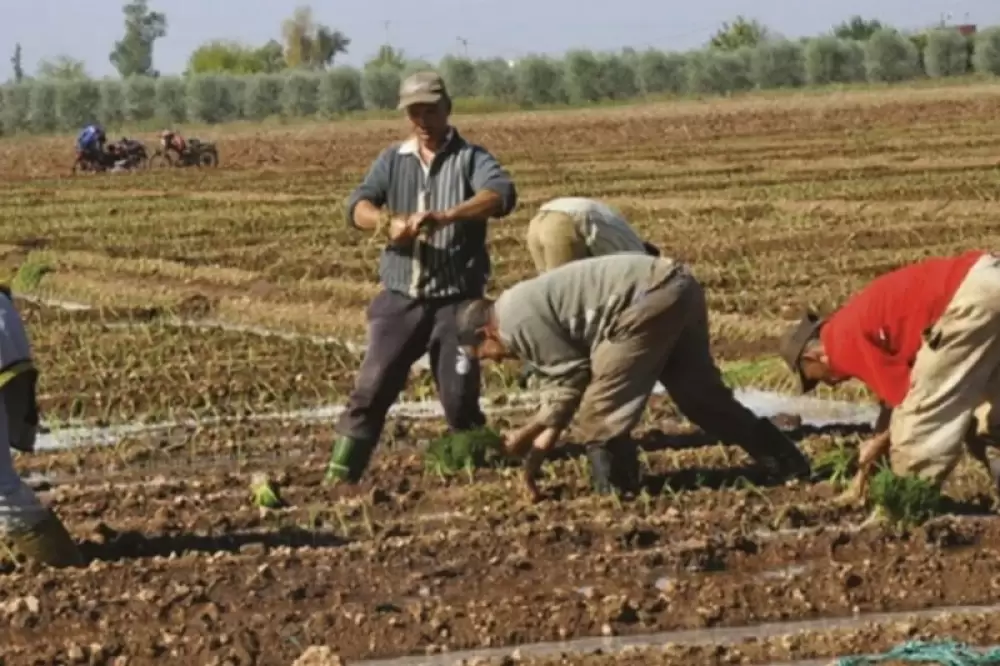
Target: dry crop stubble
776, 203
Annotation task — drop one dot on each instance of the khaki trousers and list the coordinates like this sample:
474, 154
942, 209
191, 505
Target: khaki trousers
955, 381
554, 239
663, 336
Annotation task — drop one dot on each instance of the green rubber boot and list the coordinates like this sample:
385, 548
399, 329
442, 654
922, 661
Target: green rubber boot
349, 459
48, 542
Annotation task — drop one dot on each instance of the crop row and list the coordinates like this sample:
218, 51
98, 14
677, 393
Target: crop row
580, 77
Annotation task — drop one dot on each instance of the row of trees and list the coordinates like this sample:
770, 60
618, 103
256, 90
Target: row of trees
305, 44
580, 77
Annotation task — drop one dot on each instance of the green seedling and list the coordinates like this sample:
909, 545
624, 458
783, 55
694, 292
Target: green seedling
905, 500
646, 499
462, 451
264, 492
367, 519
29, 274
644, 461
345, 529
7, 554
743, 483
838, 465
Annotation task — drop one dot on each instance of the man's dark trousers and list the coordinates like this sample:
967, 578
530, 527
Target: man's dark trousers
400, 330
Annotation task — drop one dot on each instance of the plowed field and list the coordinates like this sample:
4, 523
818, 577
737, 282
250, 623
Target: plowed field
226, 313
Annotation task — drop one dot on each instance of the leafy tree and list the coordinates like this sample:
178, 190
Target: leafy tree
986, 53
233, 58
62, 68
460, 75
309, 44
15, 62
857, 28
389, 57
946, 53
272, 55
495, 79
890, 56
741, 33
133, 54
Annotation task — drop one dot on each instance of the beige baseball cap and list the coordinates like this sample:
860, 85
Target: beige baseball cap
422, 88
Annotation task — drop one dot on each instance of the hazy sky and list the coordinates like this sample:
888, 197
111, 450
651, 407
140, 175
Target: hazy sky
87, 29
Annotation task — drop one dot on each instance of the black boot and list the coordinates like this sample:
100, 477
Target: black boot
777, 454
600, 467
626, 473
614, 465
349, 459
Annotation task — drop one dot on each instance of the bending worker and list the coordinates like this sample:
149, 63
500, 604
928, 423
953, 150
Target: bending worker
35, 531
602, 332
571, 228
926, 340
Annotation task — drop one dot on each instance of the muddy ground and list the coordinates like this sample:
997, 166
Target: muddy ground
777, 207
184, 569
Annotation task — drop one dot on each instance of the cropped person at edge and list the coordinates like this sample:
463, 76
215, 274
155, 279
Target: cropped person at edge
439, 191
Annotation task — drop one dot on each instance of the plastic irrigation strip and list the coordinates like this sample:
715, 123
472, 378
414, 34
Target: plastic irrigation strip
714, 636
944, 653
815, 412
63, 438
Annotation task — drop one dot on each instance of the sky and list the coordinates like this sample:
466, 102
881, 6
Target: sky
87, 29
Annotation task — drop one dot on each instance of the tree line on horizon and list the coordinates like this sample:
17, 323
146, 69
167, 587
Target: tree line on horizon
297, 76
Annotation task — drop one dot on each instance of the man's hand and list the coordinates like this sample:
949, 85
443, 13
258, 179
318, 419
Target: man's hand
533, 442
399, 231
418, 222
873, 449
516, 443
870, 452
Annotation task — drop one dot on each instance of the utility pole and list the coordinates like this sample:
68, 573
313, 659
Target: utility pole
385, 24
465, 45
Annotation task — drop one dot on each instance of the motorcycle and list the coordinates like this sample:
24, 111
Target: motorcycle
128, 154
197, 153
85, 163
125, 155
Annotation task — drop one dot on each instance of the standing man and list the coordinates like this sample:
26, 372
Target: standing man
439, 191
926, 340
571, 228
602, 332
35, 531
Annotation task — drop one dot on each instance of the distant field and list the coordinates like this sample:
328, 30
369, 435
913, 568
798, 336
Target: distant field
776, 203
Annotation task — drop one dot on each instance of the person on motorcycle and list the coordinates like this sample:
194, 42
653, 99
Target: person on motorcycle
90, 143
171, 140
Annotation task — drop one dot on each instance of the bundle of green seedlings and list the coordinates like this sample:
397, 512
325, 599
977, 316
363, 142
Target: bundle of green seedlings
905, 500
837, 465
463, 451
